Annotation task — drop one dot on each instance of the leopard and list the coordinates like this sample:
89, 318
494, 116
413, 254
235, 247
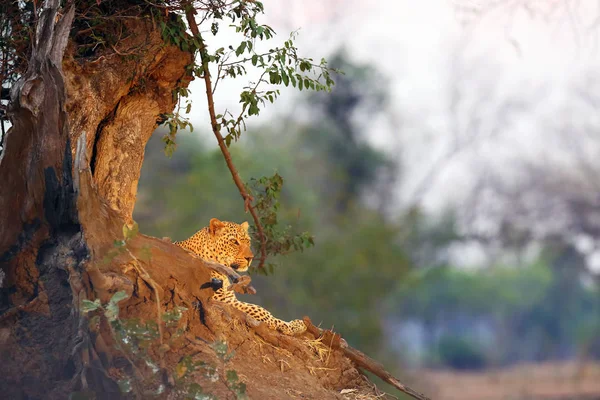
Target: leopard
229, 243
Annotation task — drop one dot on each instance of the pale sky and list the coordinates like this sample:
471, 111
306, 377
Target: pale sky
428, 48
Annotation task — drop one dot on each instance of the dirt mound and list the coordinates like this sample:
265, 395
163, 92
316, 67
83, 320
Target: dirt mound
213, 346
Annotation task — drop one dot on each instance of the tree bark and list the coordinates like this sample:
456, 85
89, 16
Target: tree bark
55, 230
116, 99
38, 216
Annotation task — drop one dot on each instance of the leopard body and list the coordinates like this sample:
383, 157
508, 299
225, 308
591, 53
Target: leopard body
229, 244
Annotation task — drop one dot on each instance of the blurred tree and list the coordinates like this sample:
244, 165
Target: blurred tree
331, 174
340, 136
511, 313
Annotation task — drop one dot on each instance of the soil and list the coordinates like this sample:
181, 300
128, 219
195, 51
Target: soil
276, 367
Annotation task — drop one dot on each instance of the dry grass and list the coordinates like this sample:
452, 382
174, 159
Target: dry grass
318, 348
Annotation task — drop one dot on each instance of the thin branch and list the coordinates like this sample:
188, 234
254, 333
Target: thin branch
276, 50
248, 199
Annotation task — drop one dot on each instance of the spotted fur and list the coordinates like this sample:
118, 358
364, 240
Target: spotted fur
229, 244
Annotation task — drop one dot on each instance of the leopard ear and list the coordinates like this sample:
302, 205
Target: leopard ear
215, 226
245, 225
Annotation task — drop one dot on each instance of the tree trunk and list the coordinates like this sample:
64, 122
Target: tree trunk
55, 230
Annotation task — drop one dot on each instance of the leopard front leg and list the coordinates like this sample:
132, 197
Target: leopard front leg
224, 294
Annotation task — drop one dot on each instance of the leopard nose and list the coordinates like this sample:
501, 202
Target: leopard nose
249, 259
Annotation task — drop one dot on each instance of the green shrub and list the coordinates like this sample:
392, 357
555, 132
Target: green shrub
459, 353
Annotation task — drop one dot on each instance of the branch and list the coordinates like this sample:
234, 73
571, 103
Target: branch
361, 359
248, 199
241, 283
276, 50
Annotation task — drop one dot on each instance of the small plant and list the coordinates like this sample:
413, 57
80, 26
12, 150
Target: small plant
134, 338
192, 390
231, 377
119, 246
234, 384
110, 309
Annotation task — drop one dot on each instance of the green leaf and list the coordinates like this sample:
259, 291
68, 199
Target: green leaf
220, 347
87, 305
118, 296
129, 233
274, 77
285, 77
240, 49
194, 390
125, 385
172, 316
111, 312
253, 108
232, 376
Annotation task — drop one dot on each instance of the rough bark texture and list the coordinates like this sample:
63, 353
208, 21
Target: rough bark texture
116, 99
39, 230
65, 199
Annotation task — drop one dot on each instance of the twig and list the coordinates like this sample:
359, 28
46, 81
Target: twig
361, 359
248, 199
250, 58
152, 283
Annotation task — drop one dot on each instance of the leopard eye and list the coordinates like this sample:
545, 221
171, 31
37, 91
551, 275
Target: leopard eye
234, 241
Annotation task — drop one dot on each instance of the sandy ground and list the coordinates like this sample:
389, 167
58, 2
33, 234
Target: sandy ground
546, 381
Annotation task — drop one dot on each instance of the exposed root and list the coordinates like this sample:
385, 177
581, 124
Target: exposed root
148, 279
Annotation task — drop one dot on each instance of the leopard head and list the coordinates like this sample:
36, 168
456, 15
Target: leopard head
228, 243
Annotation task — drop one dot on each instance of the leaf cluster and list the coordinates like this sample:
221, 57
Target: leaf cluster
278, 66
111, 309
267, 192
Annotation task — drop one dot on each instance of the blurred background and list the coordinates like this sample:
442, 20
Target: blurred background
451, 181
